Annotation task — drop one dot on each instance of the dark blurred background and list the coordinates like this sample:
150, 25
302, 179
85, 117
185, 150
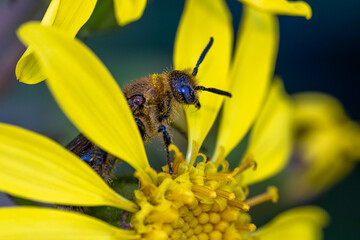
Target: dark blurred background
320, 54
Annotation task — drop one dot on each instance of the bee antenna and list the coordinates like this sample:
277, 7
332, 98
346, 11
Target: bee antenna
202, 56
213, 90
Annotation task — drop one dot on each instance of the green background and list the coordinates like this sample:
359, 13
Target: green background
321, 54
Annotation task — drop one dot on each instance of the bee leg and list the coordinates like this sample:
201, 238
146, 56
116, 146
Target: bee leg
101, 163
167, 141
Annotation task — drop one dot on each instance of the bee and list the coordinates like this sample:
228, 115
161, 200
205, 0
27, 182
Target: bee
154, 101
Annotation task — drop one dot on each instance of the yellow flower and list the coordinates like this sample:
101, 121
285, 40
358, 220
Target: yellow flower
327, 141
203, 200
70, 16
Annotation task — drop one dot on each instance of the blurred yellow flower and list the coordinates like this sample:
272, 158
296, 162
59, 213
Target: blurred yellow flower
327, 145
203, 200
70, 16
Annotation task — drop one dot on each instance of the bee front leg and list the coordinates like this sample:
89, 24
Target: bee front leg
167, 141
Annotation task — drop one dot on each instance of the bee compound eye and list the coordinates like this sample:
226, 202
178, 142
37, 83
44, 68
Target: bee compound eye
187, 94
136, 102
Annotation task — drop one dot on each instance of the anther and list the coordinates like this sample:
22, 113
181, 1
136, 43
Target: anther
245, 227
203, 190
225, 194
220, 176
239, 204
270, 195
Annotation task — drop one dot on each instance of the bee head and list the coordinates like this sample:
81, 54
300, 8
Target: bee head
183, 87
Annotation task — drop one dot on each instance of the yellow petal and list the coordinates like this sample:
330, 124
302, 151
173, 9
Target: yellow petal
250, 75
271, 139
200, 21
41, 223
281, 7
330, 151
327, 141
87, 93
34, 167
67, 15
127, 11
295, 224
317, 110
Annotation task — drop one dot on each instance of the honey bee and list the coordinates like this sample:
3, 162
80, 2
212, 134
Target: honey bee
154, 101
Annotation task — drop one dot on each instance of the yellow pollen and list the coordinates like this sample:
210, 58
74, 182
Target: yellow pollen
270, 195
245, 227
239, 204
203, 190
225, 194
220, 176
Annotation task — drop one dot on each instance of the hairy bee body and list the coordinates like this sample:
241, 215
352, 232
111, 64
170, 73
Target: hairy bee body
154, 101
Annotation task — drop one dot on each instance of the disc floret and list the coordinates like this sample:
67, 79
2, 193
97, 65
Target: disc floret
195, 202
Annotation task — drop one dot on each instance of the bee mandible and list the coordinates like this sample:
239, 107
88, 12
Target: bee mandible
154, 101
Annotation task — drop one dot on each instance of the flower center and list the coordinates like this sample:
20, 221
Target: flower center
196, 202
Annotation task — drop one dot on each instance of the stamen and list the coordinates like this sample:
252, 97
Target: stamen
192, 154
220, 176
178, 158
203, 190
245, 227
239, 204
246, 190
248, 163
270, 195
203, 156
220, 156
225, 194
225, 165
